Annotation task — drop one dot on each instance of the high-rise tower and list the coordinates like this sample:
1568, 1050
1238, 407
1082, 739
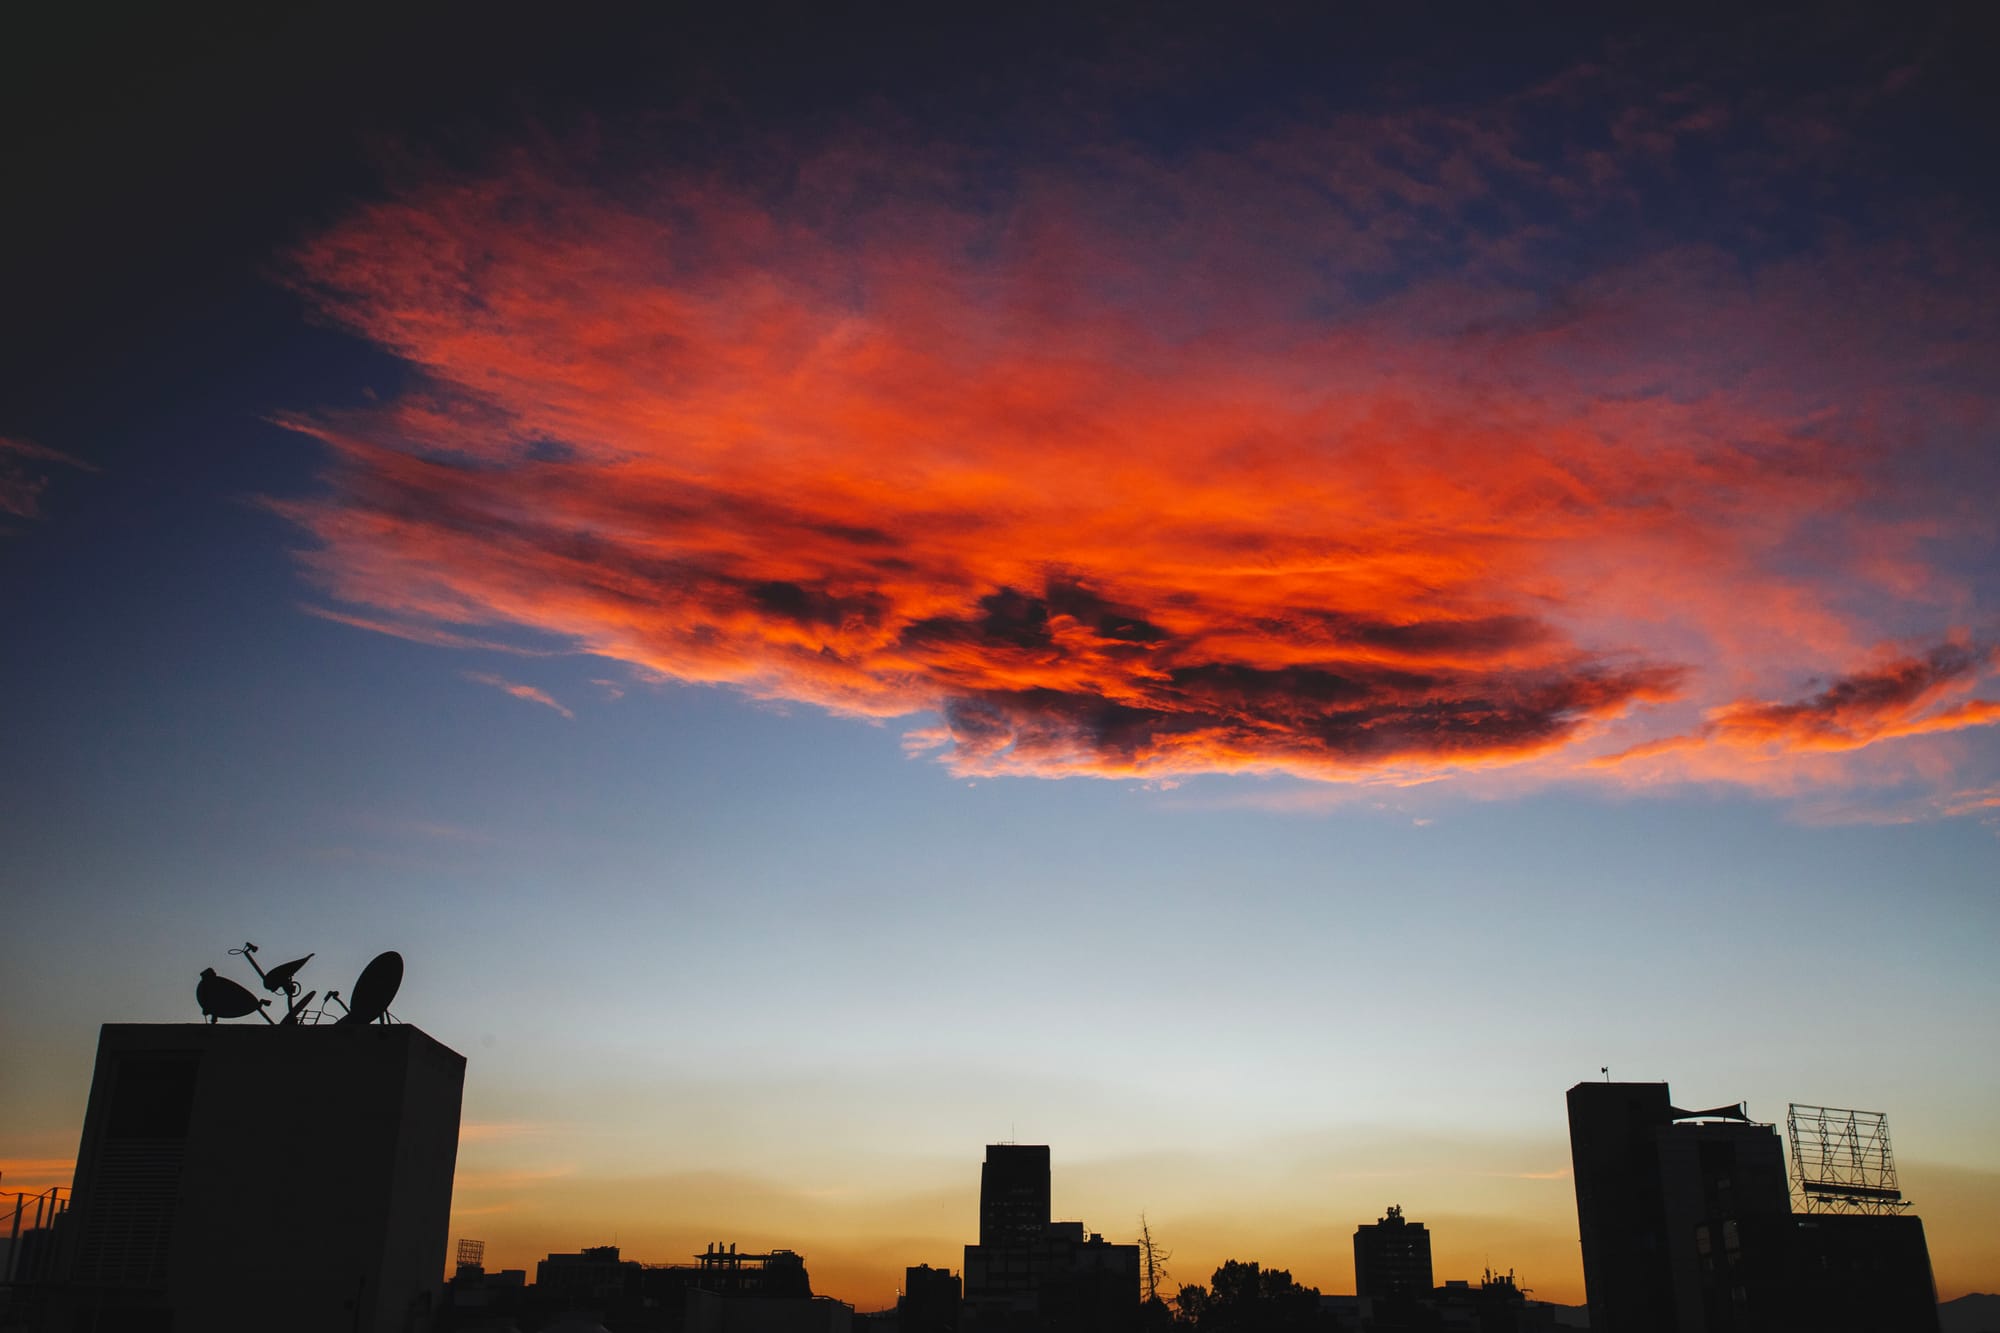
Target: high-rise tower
1013, 1193
1030, 1273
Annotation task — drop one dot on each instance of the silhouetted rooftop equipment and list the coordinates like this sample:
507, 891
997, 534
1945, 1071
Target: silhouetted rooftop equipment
1841, 1161
376, 987
219, 997
373, 992
28, 1223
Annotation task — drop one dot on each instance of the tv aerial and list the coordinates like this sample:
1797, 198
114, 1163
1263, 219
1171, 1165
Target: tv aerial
373, 992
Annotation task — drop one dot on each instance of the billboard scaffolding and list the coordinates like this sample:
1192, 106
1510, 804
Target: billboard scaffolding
1841, 1162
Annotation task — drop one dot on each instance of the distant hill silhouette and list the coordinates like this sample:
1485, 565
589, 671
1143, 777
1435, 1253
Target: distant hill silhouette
1976, 1313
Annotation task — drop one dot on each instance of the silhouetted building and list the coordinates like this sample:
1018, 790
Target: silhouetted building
1392, 1258
1863, 1273
1684, 1215
1495, 1305
723, 1291
595, 1277
779, 1273
259, 1177
1013, 1193
1028, 1272
930, 1299
476, 1299
1686, 1225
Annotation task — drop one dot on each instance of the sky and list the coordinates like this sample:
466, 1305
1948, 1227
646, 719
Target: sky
1247, 597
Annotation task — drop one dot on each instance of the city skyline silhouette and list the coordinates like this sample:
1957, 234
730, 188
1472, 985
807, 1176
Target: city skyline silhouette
1249, 596
1690, 1222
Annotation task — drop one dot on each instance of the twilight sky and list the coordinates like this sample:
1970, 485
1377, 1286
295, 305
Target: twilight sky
1249, 599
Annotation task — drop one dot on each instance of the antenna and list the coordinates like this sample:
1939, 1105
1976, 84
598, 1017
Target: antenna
1606, 1071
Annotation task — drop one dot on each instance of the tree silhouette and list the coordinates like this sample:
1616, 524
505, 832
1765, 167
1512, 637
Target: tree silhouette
1244, 1298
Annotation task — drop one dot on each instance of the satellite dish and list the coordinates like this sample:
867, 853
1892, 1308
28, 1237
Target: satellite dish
280, 977
219, 997
375, 988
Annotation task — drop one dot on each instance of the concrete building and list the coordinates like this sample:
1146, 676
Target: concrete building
240, 1177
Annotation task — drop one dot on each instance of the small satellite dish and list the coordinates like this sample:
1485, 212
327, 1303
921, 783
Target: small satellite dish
375, 988
280, 977
219, 997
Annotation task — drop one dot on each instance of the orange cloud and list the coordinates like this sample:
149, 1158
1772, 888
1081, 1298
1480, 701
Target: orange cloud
1974, 802
32, 1175
1895, 700
1111, 502
1901, 698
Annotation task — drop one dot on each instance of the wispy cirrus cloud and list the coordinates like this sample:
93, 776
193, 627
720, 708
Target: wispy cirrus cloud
529, 693
35, 1174
418, 633
502, 1131
24, 475
1975, 801
1385, 450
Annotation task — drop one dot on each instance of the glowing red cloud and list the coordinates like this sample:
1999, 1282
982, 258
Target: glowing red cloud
1907, 697
899, 457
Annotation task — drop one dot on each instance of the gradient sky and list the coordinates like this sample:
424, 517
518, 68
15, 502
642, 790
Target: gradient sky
1248, 599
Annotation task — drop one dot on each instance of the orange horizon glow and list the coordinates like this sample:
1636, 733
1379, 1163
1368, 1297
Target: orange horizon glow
856, 1252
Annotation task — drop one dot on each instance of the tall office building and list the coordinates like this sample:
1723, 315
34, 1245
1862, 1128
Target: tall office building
249, 1178
1013, 1192
1392, 1258
1028, 1272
